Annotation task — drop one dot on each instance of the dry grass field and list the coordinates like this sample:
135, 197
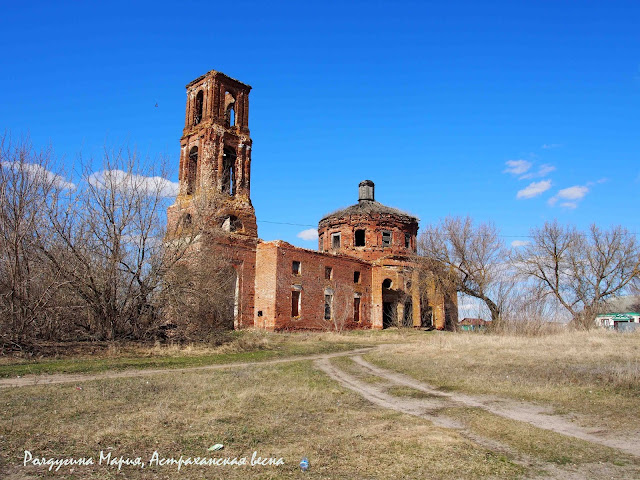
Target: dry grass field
293, 410
594, 376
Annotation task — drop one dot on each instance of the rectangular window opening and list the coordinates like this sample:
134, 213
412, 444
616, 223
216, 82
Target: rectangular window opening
356, 277
335, 240
295, 303
356, 310
386, 239
321, 243
407, 240
359, 238
328, 273
295, 267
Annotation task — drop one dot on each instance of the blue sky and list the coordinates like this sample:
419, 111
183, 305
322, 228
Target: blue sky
451, 108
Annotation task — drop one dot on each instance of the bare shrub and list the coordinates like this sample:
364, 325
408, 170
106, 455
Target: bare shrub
199, 295
341, 310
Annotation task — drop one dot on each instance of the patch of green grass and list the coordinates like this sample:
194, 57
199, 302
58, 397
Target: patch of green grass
176, 360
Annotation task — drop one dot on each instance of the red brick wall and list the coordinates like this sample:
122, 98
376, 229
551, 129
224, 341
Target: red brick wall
265, 285
275, 284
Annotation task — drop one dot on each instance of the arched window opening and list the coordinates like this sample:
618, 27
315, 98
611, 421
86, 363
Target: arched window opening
197, 117
229, 109
232, 224
328, 305
229, 171
296, 302
187, 220
192, 169
389, 304
230, 116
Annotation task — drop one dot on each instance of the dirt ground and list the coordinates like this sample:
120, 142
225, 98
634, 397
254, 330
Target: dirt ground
389, 390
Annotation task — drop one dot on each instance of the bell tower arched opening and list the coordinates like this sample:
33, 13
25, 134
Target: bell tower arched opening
229, 171
197, 115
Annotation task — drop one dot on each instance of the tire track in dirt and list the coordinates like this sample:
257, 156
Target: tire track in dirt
535, 415
423, 408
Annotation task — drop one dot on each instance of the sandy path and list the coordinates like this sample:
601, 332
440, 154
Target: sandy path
427, 408
57, 378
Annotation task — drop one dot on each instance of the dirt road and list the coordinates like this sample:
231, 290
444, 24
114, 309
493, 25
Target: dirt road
428, 407
57, 378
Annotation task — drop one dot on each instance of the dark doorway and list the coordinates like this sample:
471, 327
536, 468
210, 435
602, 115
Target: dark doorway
388, 314
426, 319
407, 321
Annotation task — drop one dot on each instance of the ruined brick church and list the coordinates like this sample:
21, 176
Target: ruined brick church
363, 274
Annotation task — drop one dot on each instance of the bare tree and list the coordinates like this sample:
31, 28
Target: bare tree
108, 244
465, 258
27, 286
580, 270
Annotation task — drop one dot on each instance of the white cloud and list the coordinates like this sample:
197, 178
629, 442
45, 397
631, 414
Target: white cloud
130, 181
573, 194
534, 189
569, 205
517, 167
547, 146
520, 243
576, 192
39, 172
308, 234
543, 171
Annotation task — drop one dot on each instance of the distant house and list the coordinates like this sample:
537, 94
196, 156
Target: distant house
473, 324
622, 313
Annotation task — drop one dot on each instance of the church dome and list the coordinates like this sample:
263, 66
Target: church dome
368, 230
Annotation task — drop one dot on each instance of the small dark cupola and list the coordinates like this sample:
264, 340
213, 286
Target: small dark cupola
366, 191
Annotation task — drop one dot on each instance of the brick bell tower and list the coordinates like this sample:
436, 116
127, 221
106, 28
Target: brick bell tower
215, 151
215, 180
